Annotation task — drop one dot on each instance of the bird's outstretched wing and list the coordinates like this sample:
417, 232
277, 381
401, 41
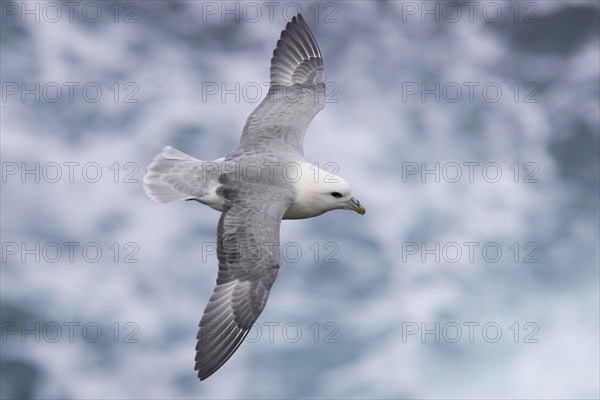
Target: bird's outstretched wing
296, 93
248, 253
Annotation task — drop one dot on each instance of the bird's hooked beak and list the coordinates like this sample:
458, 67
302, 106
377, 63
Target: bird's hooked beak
355, 205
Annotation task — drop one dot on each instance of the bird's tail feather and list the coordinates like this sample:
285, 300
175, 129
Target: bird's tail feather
165, 178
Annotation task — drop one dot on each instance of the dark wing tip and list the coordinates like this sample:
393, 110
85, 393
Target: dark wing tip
297, 57
211, 356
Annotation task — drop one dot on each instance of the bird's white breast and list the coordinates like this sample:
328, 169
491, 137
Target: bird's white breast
306, 180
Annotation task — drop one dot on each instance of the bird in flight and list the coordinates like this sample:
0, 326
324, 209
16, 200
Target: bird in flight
264, 180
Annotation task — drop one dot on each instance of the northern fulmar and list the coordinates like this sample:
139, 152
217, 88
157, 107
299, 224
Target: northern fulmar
264, 180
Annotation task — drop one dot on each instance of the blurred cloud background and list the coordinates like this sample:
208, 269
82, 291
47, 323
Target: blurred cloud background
364, 307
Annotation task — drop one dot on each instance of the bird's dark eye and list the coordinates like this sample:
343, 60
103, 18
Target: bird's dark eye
337, 195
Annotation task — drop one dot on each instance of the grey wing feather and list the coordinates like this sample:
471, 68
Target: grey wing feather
296, 93
297, 58
248, 253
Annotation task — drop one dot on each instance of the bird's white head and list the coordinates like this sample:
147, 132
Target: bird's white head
319, 191
335, 193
